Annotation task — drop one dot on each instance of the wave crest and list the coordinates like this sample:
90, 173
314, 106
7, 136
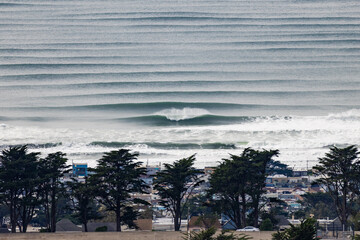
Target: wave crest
350, 115
175, 114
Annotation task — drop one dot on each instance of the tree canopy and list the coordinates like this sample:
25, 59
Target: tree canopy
237, 184
116, 177
175, 184
339, 175
19, 184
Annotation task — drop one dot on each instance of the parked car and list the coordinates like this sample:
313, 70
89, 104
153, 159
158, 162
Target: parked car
248, 229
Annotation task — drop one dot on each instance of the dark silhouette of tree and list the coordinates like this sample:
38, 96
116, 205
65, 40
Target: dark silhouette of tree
339, 176
52, 169
237, 184
84, 205
276, 167
175, 184
18, 185
116, 177
260, 161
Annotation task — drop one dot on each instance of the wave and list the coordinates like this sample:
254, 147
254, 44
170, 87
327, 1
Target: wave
166, 146
151, 107
235, 95
219, 19
350, 115
34, 145
185, 120
175, 114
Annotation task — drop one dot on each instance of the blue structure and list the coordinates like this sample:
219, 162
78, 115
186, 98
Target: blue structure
80, 170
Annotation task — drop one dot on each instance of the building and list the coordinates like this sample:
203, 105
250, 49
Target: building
80, 169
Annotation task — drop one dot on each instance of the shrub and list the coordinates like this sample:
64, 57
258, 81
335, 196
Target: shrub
266, 225
305, 231
101, 229
208, 234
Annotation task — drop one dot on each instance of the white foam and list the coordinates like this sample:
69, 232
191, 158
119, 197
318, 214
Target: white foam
176, 114
300, 139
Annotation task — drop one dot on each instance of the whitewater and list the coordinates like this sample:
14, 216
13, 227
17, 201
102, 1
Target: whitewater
173, 78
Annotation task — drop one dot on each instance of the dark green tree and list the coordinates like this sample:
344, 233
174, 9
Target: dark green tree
18, 184
320, 204
228, 189
198, 206
260, 163
237, 184
116, 177
338, 174
305, 231
175, 185
30, 198
52, 169
84, 206
266, 225
276, 167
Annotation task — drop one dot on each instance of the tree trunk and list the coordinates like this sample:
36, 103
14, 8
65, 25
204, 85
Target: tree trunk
236, 209
23, 219
85, 220
177, 217
53, 212
256, 213
118, 216
118, 221
13, 216
243, 210
176, 222
19, 226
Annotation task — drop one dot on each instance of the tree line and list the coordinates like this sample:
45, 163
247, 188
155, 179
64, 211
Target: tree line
236, 188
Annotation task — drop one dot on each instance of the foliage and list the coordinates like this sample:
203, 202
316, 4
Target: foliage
175, 184
356, 237
84, 207
237, 184
355, 220
276, 167
305, 231
19, 185
320, 204
147, 213
266, 225
197, 206
42, 230
101, 229
339, 175
52, 169
116, 177
208, 234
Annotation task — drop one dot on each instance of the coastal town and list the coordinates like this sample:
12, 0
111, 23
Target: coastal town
283, 202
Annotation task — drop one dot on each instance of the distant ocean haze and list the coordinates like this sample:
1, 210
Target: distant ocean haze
169, 79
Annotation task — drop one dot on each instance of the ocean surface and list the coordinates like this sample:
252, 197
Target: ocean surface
172, 78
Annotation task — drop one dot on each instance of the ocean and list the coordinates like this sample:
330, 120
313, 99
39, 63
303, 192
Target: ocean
173, 78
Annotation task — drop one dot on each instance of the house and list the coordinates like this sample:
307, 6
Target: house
197, 223
283, 223
80, 169
65, 225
